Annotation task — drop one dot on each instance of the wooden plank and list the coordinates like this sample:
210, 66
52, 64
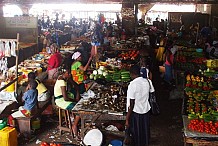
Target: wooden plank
200, 142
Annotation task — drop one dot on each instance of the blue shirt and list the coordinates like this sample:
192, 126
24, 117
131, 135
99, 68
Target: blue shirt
30, 99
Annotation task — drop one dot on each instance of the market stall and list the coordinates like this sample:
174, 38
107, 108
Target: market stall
106, 98
11, 100
101, 103
197, 138
37, 63
9, 79
189, 58
200, 107
200, 97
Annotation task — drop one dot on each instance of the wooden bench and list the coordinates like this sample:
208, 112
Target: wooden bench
24, 123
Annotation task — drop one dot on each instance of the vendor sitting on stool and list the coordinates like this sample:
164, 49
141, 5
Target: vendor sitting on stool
43, 92
54, 62
66, 100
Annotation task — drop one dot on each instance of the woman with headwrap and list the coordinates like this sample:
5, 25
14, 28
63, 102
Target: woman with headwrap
77, 70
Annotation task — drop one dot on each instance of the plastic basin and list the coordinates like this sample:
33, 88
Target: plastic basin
116, 143
199, 50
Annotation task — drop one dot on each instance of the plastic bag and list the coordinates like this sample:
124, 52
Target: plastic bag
13, 49
7, 49
2, 49
153, 103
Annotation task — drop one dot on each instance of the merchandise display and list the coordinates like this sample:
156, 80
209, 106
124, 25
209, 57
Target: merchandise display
188, 59
201, 99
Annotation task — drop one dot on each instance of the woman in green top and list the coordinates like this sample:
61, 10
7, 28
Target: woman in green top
77, 70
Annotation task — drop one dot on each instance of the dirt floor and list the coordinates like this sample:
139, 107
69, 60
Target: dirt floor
166, 128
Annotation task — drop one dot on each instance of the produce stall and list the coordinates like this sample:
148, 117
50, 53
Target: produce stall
200, 115
122, 53
106, 99
199, 80
190, 58
101, 103
198, 138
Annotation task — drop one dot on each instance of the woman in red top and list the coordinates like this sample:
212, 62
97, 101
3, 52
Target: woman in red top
170, 51
54, 62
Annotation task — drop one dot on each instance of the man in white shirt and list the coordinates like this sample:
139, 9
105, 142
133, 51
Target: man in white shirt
137, 119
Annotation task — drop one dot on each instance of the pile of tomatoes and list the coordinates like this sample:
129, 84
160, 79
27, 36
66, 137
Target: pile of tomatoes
132, 54
49, 144
202, 126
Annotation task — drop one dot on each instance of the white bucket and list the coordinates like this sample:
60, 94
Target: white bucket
93, 138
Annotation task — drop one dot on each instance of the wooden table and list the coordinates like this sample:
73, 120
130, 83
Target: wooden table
92, 115
197, 138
